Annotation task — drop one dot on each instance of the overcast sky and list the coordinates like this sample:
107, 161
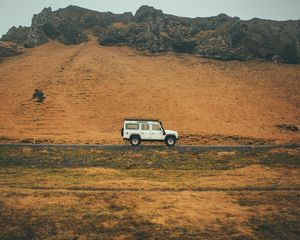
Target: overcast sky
19, 12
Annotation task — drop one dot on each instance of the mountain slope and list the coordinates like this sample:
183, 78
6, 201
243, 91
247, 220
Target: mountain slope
91, 88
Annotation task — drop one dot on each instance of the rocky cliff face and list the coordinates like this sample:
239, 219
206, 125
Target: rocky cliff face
220, 37
46, 25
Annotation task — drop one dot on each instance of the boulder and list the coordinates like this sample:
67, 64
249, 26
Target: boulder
288, 127
38, 95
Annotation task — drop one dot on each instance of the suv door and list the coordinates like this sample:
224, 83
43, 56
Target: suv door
145, 131
156, 132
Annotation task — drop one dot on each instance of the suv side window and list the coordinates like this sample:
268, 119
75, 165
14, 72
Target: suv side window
132, 126
145, 127
156, 127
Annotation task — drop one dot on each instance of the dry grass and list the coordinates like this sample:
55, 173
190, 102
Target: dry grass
91, 88
251, 194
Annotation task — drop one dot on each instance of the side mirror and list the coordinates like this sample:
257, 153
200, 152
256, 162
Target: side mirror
164, 132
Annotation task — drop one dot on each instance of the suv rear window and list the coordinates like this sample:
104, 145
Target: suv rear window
132, 126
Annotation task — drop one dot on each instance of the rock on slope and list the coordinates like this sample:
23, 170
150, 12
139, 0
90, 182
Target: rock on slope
220, 37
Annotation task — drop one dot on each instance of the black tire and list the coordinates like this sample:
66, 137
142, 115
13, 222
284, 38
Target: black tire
135, 140
170, 141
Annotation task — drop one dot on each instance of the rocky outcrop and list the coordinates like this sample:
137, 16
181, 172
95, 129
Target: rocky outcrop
8, 49
47, 25
221, 37
66, 25
17, 35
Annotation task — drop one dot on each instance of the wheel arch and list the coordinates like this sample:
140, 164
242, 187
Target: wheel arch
135, 135
170, 135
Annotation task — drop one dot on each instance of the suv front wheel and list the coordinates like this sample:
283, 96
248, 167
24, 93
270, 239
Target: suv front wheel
170, 141
135, 140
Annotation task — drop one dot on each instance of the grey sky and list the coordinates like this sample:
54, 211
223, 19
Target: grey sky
19, 12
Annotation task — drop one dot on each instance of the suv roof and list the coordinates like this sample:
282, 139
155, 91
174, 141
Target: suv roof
142, 119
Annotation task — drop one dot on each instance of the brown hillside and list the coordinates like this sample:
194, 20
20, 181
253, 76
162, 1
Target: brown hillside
91, 88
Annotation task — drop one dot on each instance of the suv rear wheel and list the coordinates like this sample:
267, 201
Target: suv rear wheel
170, 141
135, 140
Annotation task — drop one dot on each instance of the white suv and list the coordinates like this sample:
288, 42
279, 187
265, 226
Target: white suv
137, 130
